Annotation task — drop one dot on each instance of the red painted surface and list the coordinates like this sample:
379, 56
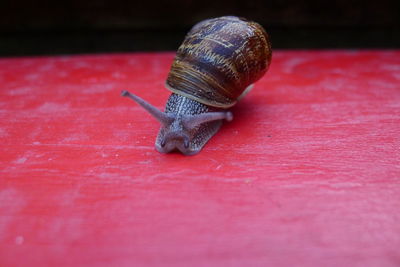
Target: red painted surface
307, 173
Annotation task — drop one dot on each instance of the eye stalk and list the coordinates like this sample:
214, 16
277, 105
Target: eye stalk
164, 118
192, 121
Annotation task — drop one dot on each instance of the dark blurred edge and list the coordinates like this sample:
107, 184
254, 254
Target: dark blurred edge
114, 41
46, 27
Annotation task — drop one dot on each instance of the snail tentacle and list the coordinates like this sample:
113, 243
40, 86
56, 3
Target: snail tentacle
164, 118
191, 121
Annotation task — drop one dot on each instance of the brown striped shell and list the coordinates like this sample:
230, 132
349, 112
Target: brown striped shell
219, 59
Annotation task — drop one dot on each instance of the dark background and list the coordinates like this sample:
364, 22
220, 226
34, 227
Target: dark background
61, 27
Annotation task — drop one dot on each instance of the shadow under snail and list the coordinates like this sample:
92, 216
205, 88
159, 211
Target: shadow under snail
217, 63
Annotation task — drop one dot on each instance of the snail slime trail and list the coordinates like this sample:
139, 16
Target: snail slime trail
218, 60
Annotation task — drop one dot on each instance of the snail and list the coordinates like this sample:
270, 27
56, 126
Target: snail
218, 62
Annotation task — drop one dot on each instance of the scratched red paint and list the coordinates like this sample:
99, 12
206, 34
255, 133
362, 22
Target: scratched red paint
307, 173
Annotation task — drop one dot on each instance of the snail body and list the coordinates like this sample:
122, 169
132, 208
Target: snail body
216, 62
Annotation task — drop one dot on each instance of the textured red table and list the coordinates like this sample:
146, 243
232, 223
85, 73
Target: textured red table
307, 173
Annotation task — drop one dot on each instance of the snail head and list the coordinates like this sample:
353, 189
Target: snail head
180, 131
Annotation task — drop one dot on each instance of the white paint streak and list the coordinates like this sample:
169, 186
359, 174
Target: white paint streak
75, 137
21, 160
396, 76
3, 133
291, 64
11, 202
32, 77
81, 64
133, 62
390, 67
62, 74
99, 88
19, 91
118, 75
19, 240
50, 107
46, 67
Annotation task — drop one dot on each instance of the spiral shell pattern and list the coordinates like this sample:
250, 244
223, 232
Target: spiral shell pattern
219, 59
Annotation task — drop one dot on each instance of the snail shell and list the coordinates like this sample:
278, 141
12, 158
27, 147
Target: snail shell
219, 59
